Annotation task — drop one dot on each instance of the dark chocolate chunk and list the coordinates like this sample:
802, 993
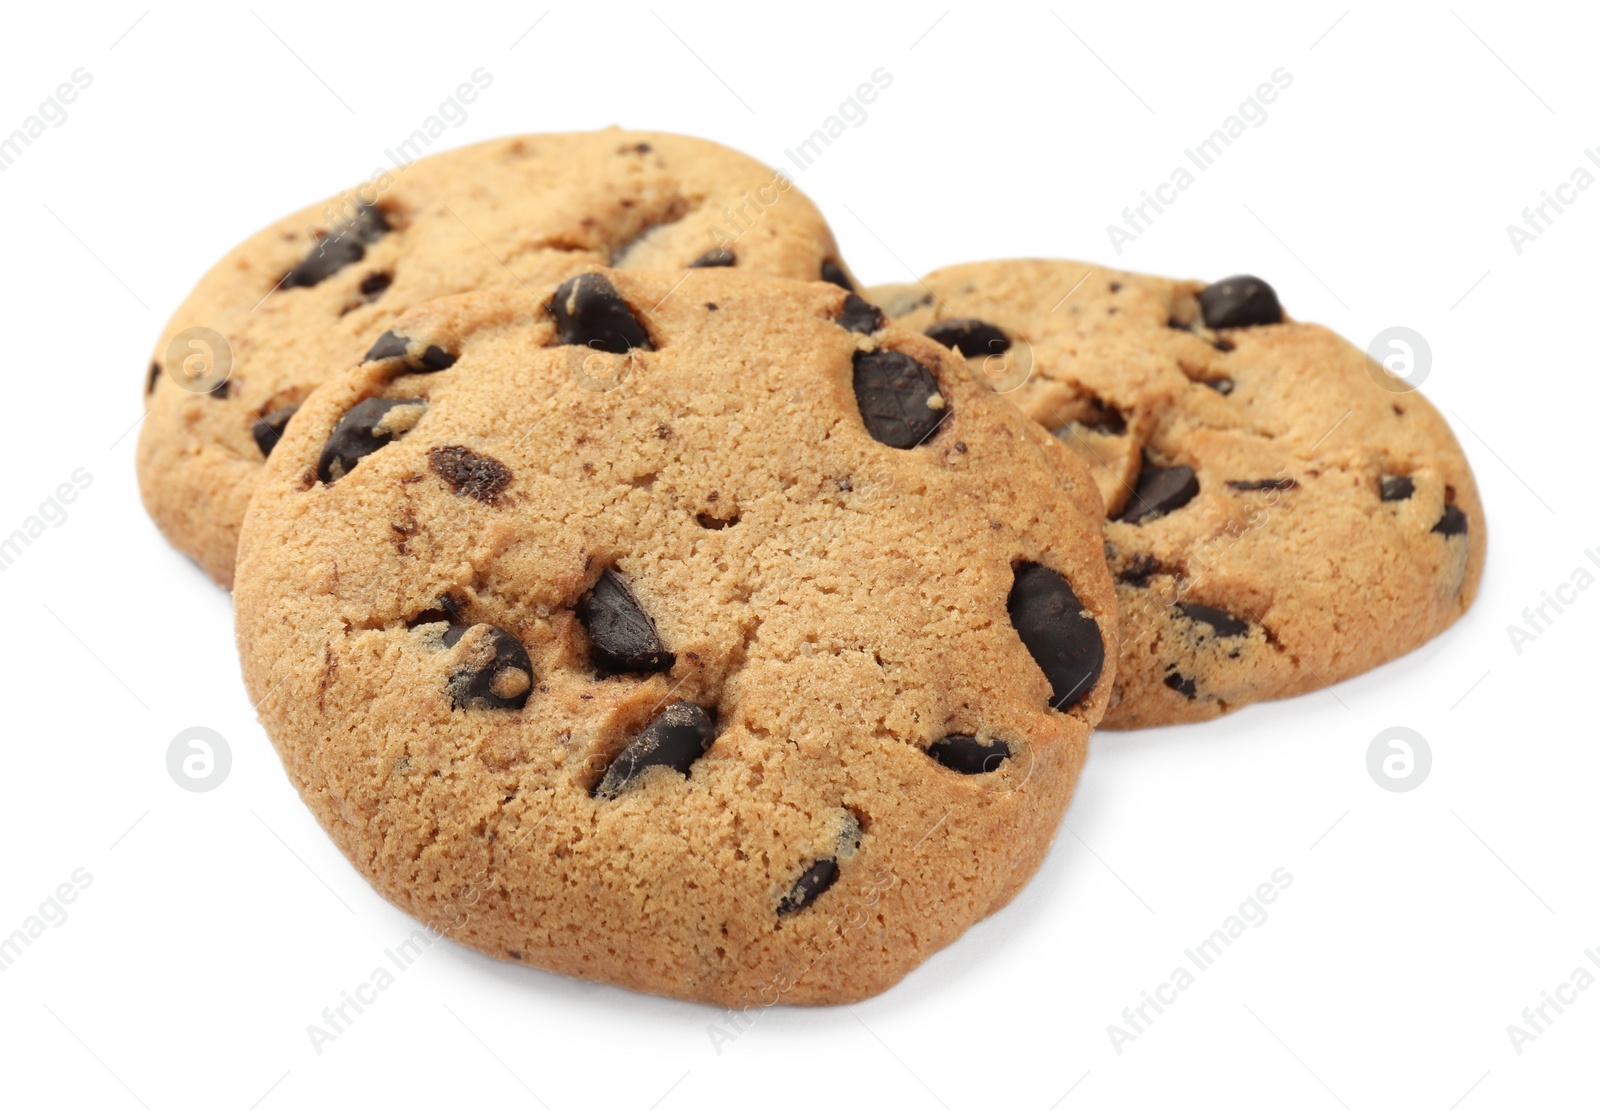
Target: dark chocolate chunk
622, 637
1159, 491
376, 284
859, 316
366, 427
715, 258
497, 673
972, 337
435, 359
1240, 301
1396, 487
675, 738
833, 274
1061, 635
269, 429
221, 390
482, 478
589, 312
812, 882
1141, 569
1180, 683
1452, 524
389, 345
392, 345
155, 374
1223, 385
965, 754
898, 397
344, 246
1264, 484
1224, 624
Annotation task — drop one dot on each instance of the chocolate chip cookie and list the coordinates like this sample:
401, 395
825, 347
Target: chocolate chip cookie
307, 295
703, 634
1283, 512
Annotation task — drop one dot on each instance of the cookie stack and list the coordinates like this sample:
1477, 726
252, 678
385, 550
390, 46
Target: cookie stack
630, 597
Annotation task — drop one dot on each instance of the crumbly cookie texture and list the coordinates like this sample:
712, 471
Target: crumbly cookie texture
699, 634
1282, 513
307, 295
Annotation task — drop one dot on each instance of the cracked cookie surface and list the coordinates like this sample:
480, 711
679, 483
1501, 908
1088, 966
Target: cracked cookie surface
670, 661
308, 294
1282, 513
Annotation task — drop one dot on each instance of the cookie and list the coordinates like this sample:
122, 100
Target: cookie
308, 294
1283, 513
699, 634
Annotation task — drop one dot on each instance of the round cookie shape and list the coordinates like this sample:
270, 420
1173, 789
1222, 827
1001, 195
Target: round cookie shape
671, 667
310, 293
1283, 513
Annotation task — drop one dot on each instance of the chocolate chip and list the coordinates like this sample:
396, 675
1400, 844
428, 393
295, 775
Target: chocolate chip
389, 345
1159, 491
1396, 487
1452, 524
898, 397
675, 738
622, 637
155, 374
1240, 301
343, 246
221, 391
435, 359
269, 429
482, 478
833, 274
1180, 683
366, 427
859, 316
972, 337
376, 284
1223, 385
589, 312
1141, 570
1062, 636
965, 754
812, 882
1264, 484
1224, 624
497, 673
715, 258
392, 345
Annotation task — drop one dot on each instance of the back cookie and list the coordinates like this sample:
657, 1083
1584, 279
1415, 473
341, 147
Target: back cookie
1282, 512
308, 295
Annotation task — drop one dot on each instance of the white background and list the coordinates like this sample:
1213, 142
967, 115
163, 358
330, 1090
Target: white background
1378, 191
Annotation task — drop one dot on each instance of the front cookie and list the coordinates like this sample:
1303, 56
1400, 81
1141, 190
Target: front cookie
1282, 512
307, 295
700, 635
